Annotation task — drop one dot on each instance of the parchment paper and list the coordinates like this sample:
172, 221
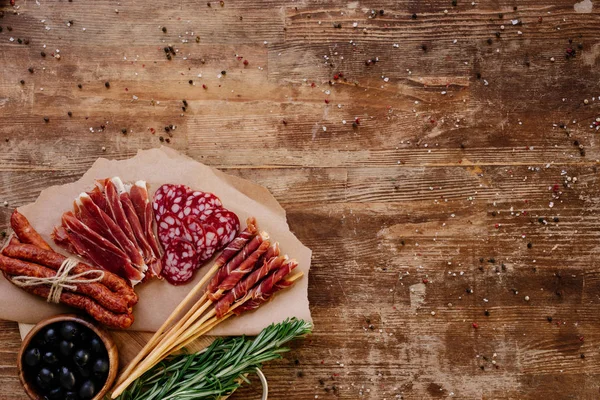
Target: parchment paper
158, 298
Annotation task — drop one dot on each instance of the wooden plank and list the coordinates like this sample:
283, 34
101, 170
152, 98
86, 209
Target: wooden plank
461, 149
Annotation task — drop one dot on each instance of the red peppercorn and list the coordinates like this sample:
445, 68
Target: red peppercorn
475, 325
326, 101
204, 86
246, 62
336, 77
425, 280
357, 121
312, 84
284, 122
12, 2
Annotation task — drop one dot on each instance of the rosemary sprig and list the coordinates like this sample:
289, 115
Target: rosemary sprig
219, 369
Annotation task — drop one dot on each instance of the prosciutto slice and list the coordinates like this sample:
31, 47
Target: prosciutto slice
136, 227
109, 229
97, 249
143, 208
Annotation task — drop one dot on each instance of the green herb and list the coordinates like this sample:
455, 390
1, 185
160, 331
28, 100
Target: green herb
217, 370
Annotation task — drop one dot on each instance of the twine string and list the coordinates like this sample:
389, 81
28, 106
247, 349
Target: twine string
62, 280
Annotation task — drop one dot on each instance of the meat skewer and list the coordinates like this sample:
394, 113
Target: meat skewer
199, 306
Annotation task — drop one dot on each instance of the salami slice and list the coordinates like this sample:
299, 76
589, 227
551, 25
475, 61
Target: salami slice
169, 198
226, 224
211, 243
170, 227
179, 261
194, 227
197, 202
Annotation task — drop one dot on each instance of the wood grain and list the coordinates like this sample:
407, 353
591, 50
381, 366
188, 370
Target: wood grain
454, 194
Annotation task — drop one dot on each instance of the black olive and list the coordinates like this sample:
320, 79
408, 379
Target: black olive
97, 345
69, 330
100, 367
81, 357
32, 357
67, 378
87, 390
71, 396
41, 384
50, 358
56, 394
50, 336
83, 372
46, 375
84, 338
66, 348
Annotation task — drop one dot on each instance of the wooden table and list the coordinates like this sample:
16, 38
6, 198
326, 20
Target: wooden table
440, 160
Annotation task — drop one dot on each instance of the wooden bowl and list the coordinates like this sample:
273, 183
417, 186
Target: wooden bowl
111, 348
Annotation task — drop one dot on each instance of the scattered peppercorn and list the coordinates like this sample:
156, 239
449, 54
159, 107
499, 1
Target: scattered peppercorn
515, 8
494, 213
69, 113
414, 16
478, 75
529, 245
497, 34
168, 140
19, 41
296, 361
300, 374
500, 16
3, 234
167, 129
46, 119
321, 382
124, 131
337, 25
164, 29
166, 49
424, 47
490, 41
454, 3
43, 54
191, 82
492, 260
197, 39
22, 82
582, 355
79, 85
169, 56
223, 72
555, 219
9, 28
30, 69
549, 318
107, 84
162, 139
487, 313
381, 12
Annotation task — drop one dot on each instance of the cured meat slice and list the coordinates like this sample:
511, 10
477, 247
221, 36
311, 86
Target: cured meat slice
111, 230
168, 198
198, 202
211, 243
197, 232
170, 227
114, 187
149, 258
226, 223
99, 250
179, 261
98, 197
143, 208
